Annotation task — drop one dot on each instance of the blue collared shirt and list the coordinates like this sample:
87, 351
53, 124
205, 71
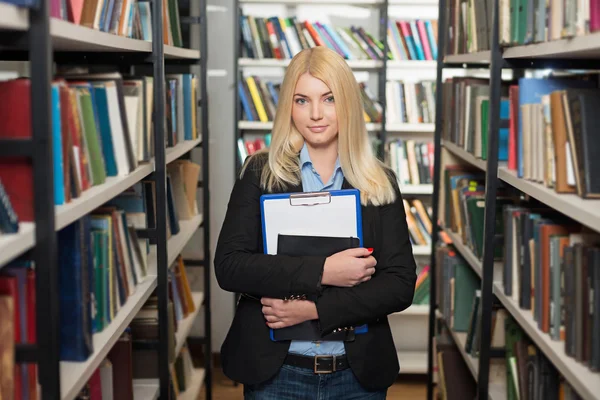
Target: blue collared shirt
311, 182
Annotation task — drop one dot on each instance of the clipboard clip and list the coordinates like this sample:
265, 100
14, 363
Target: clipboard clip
310, 199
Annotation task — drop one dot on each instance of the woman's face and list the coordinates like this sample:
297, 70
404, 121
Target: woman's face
313, 111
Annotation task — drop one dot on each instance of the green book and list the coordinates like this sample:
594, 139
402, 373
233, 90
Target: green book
466, 282
90, 136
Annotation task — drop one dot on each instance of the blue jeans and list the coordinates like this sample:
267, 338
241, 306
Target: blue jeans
294, 383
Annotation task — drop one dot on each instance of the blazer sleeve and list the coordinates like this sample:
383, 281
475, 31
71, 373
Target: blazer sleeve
392, 286
241, 267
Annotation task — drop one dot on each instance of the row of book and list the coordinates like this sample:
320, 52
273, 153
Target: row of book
126, 362
411, 160
102, 127
552, 139
259, 99
418, 218
410, 102
282, 38
546, 133
528, 372
552, 268
521, 22
551, 264
132, 19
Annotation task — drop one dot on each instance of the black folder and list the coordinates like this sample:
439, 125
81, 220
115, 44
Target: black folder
296, 245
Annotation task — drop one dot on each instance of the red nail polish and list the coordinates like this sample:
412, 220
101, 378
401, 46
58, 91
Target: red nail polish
370, 249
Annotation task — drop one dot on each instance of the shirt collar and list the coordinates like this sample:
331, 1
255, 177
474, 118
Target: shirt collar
305, 158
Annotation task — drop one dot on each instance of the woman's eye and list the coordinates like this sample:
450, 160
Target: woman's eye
300, 101
329, 99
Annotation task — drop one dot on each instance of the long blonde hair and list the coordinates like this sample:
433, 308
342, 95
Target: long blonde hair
365, 172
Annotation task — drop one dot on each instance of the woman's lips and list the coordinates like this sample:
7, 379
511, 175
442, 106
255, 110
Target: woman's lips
318, 128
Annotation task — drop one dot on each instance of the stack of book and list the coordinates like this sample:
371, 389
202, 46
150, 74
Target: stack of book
422, 287
282, 38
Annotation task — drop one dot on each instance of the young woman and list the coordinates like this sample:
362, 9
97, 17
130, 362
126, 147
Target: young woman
319, 143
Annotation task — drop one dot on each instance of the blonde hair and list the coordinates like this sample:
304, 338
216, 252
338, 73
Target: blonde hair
365, 172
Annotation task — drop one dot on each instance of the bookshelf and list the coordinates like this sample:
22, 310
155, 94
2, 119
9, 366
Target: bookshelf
59, 42
374, 15
581, 51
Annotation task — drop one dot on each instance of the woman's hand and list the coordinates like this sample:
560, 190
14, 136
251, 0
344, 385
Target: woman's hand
349, 268
283, 313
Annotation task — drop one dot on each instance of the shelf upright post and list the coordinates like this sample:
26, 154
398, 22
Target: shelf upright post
383, 24
237, 52
160, 180
437, 176
489, 224
45, 252
206, 195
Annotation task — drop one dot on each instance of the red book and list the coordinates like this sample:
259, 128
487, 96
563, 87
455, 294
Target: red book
16, 173
594, 15
95, 386
513, 127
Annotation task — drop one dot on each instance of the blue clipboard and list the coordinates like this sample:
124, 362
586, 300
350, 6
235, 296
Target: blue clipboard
333, 213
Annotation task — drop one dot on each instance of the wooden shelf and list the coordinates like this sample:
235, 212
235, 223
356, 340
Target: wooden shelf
185, 326
587, 46
411, 64
173, 153
13, 17
67, 36
74, 375
177, 242
585, 211
585, 382
317, 2
144, 391
95, 196
13, 245
268, 126
422, 250
181, 53
413, 362
482, 57
464, 155
276, 63
196, 383
466, 253
410, 128
416, 189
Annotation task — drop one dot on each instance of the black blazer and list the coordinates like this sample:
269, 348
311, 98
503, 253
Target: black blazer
248, 355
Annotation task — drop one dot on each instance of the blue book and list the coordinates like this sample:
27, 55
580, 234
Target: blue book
9, 220
173, 84
504, 130
73, 260
244, 101
338, 41
22, 3
187, 105
273, 93
417, 41
105, 131
59, 182
396, 34
531, 91
432, 39
282, 38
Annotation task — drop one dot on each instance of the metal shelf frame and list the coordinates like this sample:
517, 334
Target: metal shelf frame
578, 53
44, 42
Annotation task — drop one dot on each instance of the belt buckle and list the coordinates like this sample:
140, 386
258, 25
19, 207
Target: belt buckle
328, 371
